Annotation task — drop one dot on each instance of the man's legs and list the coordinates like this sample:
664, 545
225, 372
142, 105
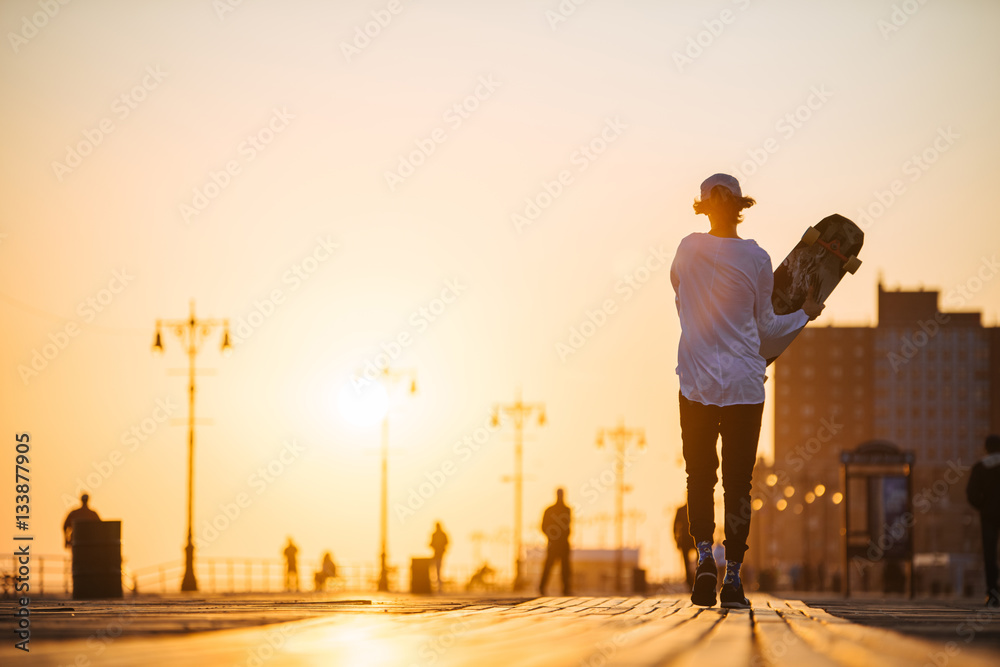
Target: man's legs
991, 532
699, 434
565, 571
740, 430
550, 558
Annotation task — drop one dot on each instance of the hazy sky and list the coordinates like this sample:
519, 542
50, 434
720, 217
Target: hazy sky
472, 179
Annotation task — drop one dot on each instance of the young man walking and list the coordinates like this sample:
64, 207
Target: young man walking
723, 289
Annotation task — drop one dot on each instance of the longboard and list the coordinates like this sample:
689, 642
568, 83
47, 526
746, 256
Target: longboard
827, 251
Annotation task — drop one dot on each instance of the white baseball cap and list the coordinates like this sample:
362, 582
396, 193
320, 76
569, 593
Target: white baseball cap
725, 180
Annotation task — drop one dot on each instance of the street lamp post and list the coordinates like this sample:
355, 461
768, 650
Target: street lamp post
192, 332
388, 378
620, 438
518, 411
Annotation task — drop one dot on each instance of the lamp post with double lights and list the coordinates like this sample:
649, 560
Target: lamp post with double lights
192, 332
620, 437
518, 412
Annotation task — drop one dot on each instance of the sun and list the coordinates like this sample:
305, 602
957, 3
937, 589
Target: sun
362, 403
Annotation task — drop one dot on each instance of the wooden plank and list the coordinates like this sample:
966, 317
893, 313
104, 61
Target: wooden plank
777, 643
730, 642
886, 646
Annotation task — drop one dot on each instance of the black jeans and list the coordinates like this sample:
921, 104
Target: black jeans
991, 532
558, 551
701, 426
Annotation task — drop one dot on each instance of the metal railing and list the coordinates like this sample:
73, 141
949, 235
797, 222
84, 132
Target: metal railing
52, 574
248, 575
48, 572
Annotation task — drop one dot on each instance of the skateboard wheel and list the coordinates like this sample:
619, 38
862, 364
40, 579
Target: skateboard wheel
811, 236
852, 264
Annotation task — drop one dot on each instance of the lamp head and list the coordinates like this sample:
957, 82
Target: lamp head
158, 341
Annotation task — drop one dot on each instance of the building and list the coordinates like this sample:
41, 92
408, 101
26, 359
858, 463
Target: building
927, 381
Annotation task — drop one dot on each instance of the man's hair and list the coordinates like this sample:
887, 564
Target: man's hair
993, 443
721, 199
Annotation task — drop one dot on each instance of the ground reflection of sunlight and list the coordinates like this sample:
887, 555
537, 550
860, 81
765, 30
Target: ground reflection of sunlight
367, 642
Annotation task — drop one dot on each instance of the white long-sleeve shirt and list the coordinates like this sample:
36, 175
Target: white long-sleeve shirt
723, 295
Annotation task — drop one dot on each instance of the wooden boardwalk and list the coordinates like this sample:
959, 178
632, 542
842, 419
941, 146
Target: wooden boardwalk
414, 632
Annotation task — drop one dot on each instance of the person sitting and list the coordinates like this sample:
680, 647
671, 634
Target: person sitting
328, 570
482, 579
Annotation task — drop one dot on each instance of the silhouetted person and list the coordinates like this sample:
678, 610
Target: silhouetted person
439, 543
684, 541
328, 570
291, 553
555, 525
983, 492
82, 513
482, 579
723, 286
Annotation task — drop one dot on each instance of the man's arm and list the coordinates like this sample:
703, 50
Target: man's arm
770, 325
675, 282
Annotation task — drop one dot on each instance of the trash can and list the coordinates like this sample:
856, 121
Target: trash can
638, 581
97, 559
420, 575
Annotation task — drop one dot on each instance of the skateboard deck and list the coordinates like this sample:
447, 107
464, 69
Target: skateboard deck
826, 252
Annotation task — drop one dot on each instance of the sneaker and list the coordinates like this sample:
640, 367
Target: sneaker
705, 580
732, 597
